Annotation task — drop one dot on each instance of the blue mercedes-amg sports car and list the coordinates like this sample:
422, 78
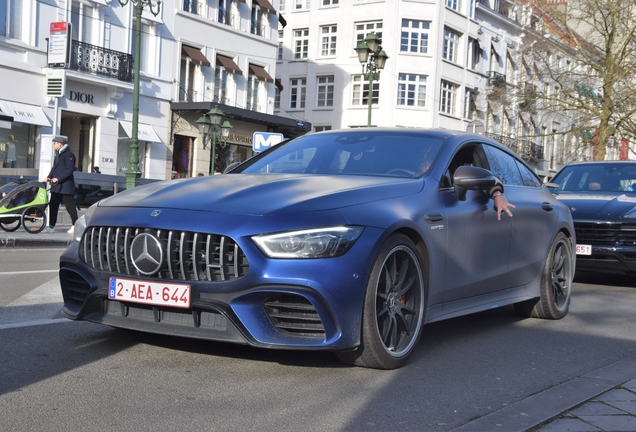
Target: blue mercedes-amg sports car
349, 241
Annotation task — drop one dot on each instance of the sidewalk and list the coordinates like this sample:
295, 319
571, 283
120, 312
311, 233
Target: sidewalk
60, 238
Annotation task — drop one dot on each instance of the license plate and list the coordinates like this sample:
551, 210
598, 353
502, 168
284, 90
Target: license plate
583, 249
149, 292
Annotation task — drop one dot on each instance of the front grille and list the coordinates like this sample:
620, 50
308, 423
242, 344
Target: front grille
188, 256
295, 315
605, 233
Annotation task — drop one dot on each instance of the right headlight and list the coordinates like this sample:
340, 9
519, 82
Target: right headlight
80, 227
326, 242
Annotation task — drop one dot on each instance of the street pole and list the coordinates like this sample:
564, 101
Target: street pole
133, 174
370, 95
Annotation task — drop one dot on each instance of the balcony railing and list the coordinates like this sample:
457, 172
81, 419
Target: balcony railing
257, 29
527, 95
496, 79
524, 148
101, 61
193, 6
252, 107
226, 18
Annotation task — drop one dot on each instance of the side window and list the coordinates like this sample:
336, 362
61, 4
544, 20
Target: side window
470, 155
529, 178
503, 166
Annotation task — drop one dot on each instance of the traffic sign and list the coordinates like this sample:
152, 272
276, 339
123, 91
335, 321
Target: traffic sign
263, 140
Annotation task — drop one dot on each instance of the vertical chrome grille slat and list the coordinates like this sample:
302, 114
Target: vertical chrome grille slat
222, 257
169, 255
208, 242
181, 257
117, 241
195, 243
126, 247
189, 256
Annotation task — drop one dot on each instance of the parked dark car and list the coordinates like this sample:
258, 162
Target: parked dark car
334, 241
602, 199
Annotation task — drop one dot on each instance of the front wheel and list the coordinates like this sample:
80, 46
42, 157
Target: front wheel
10, 224
556, 283
394, 306
34, 219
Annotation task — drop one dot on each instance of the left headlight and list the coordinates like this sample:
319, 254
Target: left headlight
80, 227
630, 214
327, 242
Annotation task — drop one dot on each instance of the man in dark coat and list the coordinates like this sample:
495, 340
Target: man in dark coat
62, 182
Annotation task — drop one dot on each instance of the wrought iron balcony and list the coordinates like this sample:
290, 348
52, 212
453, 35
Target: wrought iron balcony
523, 147
257, 29
226, 18
496, 79
101, 61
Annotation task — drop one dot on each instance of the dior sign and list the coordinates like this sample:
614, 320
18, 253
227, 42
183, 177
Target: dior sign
81, 97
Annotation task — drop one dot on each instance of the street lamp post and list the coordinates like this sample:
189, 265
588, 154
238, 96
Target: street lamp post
210, 124
373, 58
133, 174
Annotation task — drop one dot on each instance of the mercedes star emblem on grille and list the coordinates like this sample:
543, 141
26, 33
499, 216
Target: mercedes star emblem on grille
146, 253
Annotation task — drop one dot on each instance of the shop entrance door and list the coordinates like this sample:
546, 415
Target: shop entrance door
80, 130
181, 157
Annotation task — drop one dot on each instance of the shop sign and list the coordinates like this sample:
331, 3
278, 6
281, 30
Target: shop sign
81, 97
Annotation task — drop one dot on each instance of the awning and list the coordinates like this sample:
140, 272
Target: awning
496, 49
196, 55
144, 132
23, 113
228, 64
266, 6
261, 74
282, 21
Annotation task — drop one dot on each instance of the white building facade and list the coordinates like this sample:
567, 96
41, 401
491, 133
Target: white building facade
204, 54
448, 61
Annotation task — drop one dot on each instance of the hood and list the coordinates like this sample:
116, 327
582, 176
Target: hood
261, 194
596, 206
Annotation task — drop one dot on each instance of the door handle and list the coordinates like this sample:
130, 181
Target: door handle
547, 206
433, 218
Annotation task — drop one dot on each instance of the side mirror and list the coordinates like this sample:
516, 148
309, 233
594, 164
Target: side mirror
472, 178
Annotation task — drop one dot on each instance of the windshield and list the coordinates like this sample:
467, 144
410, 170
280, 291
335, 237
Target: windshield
594, 178
373, 153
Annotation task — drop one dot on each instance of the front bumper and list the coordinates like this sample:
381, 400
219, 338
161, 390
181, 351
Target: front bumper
615, 259
272, 308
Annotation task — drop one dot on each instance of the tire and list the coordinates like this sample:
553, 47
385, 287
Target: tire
394, 307
33, 219
10, 225
556, 283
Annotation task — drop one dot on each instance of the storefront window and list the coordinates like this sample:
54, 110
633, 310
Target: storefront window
17, 146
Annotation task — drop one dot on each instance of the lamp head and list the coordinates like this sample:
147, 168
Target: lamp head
363, 52
373, 41
380, 59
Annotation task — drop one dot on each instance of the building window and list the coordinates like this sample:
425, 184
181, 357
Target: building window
411, 90
11, 19
330, 2
82, 17
363, 29
361, 91
220, 85
474, 55
301, 44
470, 105
452, 4
225, 15
257, 26
277, 98
279, 55
324, 97
193, 6
328, 35
252, 92
302, 4
297, 93
281, 6
414, 37
321, 128
144, 45
451, 39
447, 98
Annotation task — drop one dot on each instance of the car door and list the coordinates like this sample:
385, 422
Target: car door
478, 244
534, 215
